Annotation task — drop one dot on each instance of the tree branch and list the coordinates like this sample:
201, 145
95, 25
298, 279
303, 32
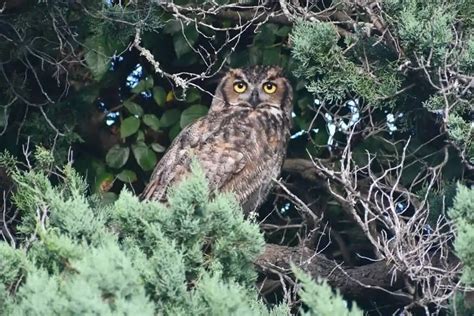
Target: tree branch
357, 282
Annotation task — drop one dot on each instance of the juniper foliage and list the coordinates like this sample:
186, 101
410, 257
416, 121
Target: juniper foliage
77, 255
463, 216
320, 298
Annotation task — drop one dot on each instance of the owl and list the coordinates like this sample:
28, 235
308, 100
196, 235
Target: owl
240, 143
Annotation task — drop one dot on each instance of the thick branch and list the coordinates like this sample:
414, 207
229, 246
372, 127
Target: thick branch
303, 168
355, 282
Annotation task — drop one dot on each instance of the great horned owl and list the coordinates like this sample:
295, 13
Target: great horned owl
240, 143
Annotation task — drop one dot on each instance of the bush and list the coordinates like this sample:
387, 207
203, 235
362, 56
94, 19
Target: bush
78, 255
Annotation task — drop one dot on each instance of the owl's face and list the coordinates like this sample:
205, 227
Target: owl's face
258, 87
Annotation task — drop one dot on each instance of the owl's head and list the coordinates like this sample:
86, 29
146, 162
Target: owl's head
256, 87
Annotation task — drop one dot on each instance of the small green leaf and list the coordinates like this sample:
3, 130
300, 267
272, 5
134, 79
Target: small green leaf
255, 55
133, 108
144, 84
140, 87
140, 136
129, 126
151, 121
170, 117
181, 47
174, 131
192, 95
283, 31
239, 59
99, 50
127, 176
271, 56
183, 44
159, 95
117, 156
88, 94
192, 113
172, 26
97, 64
144, 156
266, 36
158, 148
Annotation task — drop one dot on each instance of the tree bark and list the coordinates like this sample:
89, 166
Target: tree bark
356, 282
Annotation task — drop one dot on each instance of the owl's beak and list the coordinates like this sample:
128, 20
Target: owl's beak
254, 98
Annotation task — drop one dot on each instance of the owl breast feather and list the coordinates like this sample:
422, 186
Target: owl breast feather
240, 151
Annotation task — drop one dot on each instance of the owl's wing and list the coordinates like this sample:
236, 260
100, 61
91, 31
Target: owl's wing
217, 153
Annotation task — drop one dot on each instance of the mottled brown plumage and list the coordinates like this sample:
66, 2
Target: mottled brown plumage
240, 143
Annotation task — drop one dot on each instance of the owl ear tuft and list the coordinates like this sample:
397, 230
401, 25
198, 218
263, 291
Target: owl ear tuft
235, 72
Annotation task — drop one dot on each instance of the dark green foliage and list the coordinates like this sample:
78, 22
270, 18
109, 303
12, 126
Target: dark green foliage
64, 48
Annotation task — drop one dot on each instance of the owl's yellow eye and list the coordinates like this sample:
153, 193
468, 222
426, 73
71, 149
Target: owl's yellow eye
240, 87
269, 87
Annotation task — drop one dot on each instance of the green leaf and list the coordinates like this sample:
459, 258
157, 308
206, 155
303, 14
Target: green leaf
159, 95
96, 60
192, 95
140, 87
172, 26
239, 59
283, 31
255, 55
133, 108
140, 136
158, 148
129, 126
144, 156
144, 84
271, 56
149, 82
170, 117
99, 50
266, 36
192, 113
127, 176
151, 121
174, 131
88, 94
182, 43
117, 156
181, 47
